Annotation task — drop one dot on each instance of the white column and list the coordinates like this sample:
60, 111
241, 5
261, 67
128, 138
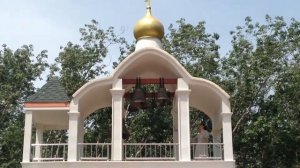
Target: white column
117, 107
38, 140
227, 132
27, 136
175, 131
73, 136
182, 94
217, 139
81, 133
81, 130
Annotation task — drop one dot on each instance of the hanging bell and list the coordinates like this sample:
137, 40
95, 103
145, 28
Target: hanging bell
138, 94
162, 93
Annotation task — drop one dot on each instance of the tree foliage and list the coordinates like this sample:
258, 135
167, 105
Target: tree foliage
79, 63
98, 126
18, 70
151, 126
261, 73
194, 48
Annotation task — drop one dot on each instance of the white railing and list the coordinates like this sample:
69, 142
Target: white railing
150, 151
131, 152
94, 151
49, 152
204, 151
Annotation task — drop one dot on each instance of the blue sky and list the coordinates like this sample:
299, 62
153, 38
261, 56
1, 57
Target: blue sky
49, 24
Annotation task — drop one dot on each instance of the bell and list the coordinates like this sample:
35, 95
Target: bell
138, 94
162, 93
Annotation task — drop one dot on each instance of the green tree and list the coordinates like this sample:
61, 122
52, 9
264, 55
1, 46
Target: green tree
194, 48
99, 125
262, 57
79, 63
18, 71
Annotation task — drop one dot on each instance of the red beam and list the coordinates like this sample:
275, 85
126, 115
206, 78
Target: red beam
149, 81
147, 95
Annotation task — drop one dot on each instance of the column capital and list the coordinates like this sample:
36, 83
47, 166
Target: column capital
73, 115
182, 92
27, 111
226, 114
117, 92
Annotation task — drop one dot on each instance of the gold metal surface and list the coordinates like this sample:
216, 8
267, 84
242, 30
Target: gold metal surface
148, 26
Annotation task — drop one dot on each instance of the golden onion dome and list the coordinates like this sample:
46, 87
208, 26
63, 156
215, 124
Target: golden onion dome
148, 26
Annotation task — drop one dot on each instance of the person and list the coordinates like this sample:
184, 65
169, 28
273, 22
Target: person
202, 137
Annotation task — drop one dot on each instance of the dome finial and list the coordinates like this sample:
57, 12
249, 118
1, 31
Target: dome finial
148, 2
148, 26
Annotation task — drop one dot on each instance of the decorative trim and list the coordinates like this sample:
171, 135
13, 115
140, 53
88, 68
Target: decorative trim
46, 104
73, 115
150, 81
117, 92
47, 109
226, 114
182, 92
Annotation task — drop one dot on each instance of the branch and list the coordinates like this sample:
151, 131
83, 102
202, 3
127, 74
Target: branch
250, 105
241, 119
